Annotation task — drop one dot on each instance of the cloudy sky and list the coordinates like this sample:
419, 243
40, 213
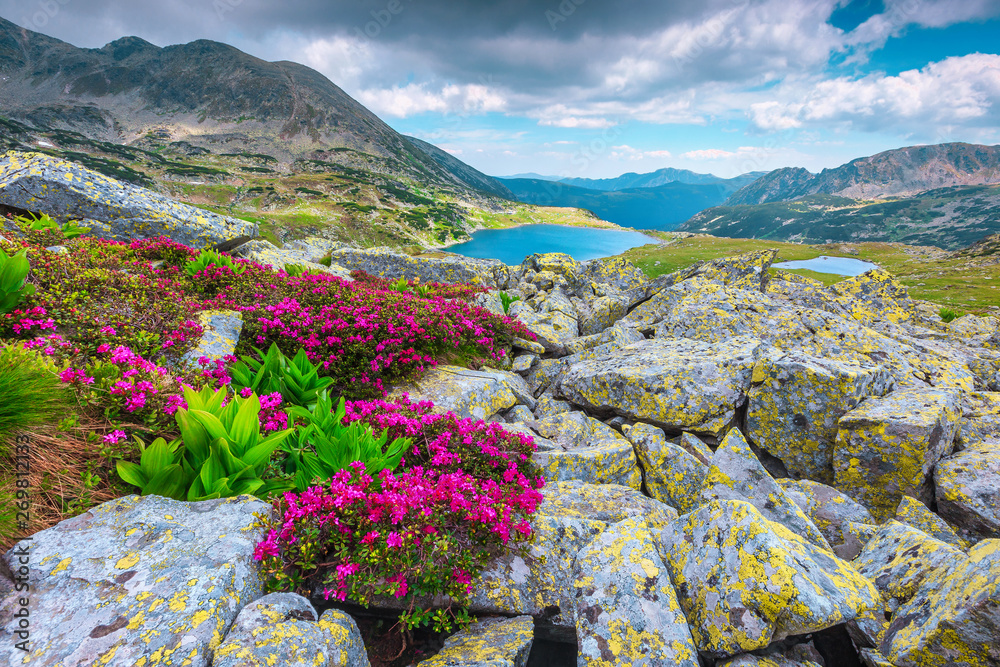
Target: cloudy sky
601, 87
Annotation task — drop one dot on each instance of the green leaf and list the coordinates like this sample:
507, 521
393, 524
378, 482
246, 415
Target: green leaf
195, 437
246, 424
156, 457
169, 482
213, 426
132, 474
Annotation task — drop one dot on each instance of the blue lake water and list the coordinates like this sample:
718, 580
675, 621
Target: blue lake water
511, 246
841, 266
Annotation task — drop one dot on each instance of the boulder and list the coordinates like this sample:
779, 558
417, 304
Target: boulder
980, 418
746, 272
874, 296
831, 511
796, 402
955, 617
113, 209
586, 450
914, 513
607, 503
967, 489
220, 335
695, 447
627, 609
744, 582
602, 313
887, 447
136, 580
617, 272
676, 384
302, 253
282, 628
552, 328
390, 263
899, 558
770, 660
467, 393
524, 362
490, 642
737, 474
670, 473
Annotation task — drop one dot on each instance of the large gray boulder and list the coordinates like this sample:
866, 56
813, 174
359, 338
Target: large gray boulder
393, 264
954, 619
491, 642
831, 511
284, 629
671, 474
744, 582
796, 402
586, 450
887, 447
467, 393
111, 208
627, 609
138, 579
967, 487
676, 384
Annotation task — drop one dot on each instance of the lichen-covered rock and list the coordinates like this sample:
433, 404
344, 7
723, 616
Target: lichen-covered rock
619, 334
617, 272
771, 660
301, 253
136, 580
390, 263
887, 447
528, 345
523, 362
675, 383
748, 271
282, 628
543, 374
873, 296
541, 583
552, 328
627, 609
602, 313
796, 402
587, 450
980, 419
955, 618
467, 393
548, 406
695, 447
744, 581
831, 511
872, 658
491, 642
671, 474
899, 558
737, 474
115, 210
607, 503
221, 333
914, 513
967, 487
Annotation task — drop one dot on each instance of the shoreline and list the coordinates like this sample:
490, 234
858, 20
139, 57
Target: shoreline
609, 226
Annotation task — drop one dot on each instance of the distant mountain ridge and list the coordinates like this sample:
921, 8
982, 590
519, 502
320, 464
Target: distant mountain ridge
661, 207
896, 173
210, 95
659, 177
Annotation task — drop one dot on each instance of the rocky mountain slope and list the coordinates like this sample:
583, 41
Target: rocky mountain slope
660, 177
950, 218
896, 173
275, 143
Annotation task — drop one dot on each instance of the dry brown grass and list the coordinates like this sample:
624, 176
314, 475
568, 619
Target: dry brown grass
59, 463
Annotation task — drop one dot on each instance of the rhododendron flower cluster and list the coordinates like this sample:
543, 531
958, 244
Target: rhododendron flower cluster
460, 498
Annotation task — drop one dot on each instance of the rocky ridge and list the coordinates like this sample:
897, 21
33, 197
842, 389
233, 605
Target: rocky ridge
744, 468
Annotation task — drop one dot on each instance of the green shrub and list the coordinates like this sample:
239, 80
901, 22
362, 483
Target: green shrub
31, 393
34, 223
295, 270
297, 379
14, 271
322, 446
507, 300
223, 453
947, 314
208, 258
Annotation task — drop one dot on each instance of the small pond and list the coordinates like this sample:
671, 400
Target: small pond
512, 245
841, 266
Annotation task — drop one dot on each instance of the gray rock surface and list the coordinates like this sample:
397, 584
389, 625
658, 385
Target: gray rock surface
113, 209
967, 487
491, 642
138, 577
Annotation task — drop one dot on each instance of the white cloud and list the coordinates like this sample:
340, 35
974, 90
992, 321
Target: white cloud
415, 98
592, 123
961, 90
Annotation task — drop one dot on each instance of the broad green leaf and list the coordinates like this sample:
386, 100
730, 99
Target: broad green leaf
132, 474
169, 482
212, 424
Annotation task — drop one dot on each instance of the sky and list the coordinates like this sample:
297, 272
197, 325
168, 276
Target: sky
597, 88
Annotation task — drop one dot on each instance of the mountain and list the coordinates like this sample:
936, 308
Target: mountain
949, 218
946, 195
211, 96
899, 173
660, 207
660, 177
531, 175
467, 174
